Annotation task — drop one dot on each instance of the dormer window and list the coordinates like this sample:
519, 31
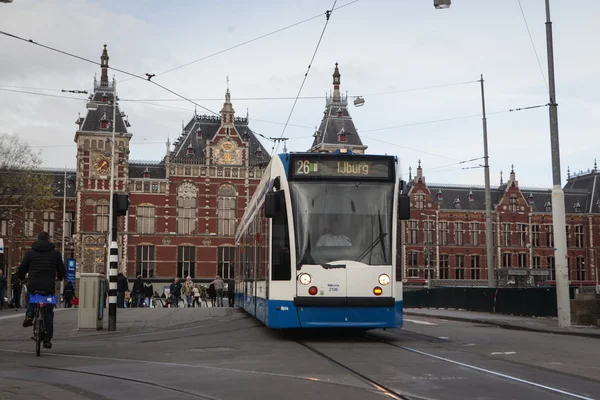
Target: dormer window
190, 150
342, 136
577, 207
548, 206
259, 153
199, 133
530, 198
456, 203
439, 195
104, 98
104, 122
339, 113
470, 195
146, 173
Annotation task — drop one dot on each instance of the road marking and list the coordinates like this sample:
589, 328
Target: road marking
469, 344
416, 321
487, 371
444, 337
503, 352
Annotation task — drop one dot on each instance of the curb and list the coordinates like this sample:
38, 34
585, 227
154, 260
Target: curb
505, 325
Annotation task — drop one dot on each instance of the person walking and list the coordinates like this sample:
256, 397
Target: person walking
138, 291
122, 287
148, 293
68, 294
219, 287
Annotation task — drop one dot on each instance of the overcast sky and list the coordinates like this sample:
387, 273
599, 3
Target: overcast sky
384, 49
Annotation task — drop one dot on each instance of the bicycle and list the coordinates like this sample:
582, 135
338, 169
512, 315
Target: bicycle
39, 327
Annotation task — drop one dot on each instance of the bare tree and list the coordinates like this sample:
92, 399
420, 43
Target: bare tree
23, 186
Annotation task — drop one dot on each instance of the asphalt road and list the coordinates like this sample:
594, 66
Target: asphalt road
235, 357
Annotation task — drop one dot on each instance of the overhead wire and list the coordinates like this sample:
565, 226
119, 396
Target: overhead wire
246, 42
327, 17
533, 45
113, 68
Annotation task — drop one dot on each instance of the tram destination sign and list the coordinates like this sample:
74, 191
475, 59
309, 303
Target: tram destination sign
344, 167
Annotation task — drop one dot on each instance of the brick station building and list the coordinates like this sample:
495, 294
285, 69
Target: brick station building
185, 205
448, 222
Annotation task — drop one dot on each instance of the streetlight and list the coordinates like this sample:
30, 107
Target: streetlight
441, 4
66, 184
558, 196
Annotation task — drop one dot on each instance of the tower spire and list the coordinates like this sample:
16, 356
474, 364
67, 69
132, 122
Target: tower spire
227, 111
104, 67
336, 84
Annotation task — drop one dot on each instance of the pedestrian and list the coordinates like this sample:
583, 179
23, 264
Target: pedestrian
175, 290
68, 294
148, 292
231, 291
138, 291
219, 287
122, 287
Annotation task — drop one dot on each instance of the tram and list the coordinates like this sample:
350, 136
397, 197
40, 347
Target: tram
316, 247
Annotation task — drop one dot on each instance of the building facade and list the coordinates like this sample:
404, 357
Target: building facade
185, 205
444, 242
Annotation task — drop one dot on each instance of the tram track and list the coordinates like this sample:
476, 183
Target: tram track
126, 379
378, 386
480, 369
390, 392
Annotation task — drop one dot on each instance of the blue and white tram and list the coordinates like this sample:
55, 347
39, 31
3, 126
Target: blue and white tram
317, 244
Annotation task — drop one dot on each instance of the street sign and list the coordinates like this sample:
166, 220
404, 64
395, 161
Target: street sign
1, 246
71, 268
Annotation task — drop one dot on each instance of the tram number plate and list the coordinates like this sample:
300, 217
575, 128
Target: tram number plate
333, 288
284, 308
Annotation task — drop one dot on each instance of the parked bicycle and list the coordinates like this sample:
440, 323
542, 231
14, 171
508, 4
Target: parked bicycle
39, 325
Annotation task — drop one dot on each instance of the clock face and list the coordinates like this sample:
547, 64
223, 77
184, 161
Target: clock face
102, 164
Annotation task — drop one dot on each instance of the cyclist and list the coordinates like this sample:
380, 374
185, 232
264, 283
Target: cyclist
44, 265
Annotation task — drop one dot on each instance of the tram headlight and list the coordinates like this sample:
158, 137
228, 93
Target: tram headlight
305, 279
384, 279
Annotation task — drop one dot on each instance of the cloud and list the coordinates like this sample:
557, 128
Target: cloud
407, 46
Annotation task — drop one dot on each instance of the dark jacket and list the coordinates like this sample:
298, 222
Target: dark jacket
44, 265
122, 283
148, 289
3, 282
68, 291
138, 286
175, 289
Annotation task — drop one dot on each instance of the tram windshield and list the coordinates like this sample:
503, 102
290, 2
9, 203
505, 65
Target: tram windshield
337, 221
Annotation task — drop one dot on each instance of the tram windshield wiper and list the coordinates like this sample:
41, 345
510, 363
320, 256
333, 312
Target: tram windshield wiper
371, 246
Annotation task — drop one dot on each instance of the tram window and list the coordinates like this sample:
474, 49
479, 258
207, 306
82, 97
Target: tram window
281, 266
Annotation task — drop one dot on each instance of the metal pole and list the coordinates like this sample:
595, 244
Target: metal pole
558, 197
62, 283
113, 259
489, 234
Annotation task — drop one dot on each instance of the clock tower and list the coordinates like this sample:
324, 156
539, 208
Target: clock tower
95, 158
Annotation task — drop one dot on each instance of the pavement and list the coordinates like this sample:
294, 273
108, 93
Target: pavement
223, 353
532, 324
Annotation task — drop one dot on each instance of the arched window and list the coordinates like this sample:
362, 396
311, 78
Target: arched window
226, 210
187, 196
145, 220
